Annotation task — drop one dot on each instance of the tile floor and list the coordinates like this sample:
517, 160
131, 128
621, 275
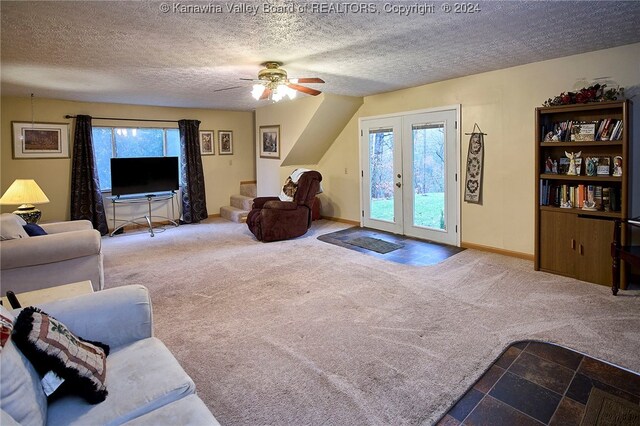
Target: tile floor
413, 251
534, 383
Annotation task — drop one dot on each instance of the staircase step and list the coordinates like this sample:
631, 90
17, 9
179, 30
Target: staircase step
242, 202
234, 214
248, 189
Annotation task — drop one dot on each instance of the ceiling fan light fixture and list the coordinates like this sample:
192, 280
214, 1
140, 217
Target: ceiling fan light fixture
258, 90
273, 84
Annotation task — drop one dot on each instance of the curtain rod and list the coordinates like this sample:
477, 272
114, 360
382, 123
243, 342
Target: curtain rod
127, 119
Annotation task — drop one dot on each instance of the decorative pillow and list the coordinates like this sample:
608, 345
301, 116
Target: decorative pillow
6, 325
11, 227
34, 230
291, 185
51, 347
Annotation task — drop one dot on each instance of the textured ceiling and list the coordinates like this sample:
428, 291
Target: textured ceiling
136, 53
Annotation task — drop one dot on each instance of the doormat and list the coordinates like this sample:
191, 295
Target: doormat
374, 244
604, 409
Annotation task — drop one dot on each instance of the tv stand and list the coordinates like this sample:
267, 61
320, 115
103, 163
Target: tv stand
139, 199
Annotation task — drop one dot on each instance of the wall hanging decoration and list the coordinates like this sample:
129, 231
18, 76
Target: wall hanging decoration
225, 142
269, 141
207, 146
475, 160
40, 140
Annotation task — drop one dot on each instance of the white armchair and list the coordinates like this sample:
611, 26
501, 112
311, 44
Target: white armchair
70, 252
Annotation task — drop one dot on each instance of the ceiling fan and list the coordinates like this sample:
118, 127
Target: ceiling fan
273, 83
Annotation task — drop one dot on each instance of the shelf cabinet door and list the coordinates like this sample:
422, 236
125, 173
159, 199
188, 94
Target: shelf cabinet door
594, 250
558, 242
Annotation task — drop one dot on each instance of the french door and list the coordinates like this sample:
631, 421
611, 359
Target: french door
409, 174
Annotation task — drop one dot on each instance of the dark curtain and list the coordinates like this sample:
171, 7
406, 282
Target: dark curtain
194, 200
86, 198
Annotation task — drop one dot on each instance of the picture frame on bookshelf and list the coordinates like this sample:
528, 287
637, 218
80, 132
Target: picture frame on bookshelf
604, 166
563, 165
583, 131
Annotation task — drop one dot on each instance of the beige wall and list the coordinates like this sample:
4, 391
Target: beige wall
292, 117
502, 103
222, 173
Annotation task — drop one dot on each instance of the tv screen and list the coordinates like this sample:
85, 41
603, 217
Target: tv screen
144, 175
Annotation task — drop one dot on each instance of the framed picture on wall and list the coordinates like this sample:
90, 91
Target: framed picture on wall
225, 142
207, 146
270, 141
40, 140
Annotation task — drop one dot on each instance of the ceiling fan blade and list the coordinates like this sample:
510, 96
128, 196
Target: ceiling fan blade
307, 80
226, 88
265, 94
307, 90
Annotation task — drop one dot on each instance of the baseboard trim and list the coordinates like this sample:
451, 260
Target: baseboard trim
520, 255
339, 219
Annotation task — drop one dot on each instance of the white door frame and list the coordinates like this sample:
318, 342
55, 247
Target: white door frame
457, 108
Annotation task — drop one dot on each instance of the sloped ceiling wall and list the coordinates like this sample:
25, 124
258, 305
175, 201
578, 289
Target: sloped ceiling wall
324, 126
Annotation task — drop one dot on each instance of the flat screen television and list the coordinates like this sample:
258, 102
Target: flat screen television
144, 175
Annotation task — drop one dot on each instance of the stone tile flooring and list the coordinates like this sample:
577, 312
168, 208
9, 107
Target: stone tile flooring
413, 251
534, 383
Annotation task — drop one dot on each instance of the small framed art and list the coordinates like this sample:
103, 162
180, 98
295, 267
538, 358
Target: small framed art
225, 142
207, 146
270, 141
40, 140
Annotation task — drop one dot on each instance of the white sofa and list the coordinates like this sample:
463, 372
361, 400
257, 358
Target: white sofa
146, 384
71, 252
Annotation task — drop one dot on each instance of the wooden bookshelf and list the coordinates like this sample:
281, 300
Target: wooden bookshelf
572, 241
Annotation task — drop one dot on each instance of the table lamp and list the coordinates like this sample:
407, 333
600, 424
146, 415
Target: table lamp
26, 193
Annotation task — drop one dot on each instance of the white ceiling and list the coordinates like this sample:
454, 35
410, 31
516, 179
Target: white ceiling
131, 52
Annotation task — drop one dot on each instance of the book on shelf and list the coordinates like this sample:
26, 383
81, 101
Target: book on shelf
609, 129
580, 196
606, 205
597, 197
557, 195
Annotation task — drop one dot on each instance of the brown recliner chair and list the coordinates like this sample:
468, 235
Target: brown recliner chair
273, 220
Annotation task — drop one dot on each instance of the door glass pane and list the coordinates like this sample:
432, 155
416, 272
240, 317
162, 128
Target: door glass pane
381, 174
429, 176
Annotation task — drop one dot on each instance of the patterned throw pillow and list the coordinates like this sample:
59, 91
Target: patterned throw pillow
6, 325
50, 346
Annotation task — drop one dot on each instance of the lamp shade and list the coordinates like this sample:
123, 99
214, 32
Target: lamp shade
24, 191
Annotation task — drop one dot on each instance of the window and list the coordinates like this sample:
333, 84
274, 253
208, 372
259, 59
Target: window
114, 142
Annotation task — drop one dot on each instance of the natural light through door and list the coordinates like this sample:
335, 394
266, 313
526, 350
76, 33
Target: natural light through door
409, 174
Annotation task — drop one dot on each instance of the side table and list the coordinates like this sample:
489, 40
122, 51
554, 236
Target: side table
49, 294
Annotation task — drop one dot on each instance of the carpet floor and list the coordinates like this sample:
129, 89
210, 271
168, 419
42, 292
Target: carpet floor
303, 332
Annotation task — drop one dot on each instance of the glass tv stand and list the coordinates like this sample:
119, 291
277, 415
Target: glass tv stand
140, 199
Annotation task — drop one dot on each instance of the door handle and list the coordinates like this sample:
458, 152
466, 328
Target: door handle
398, 184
